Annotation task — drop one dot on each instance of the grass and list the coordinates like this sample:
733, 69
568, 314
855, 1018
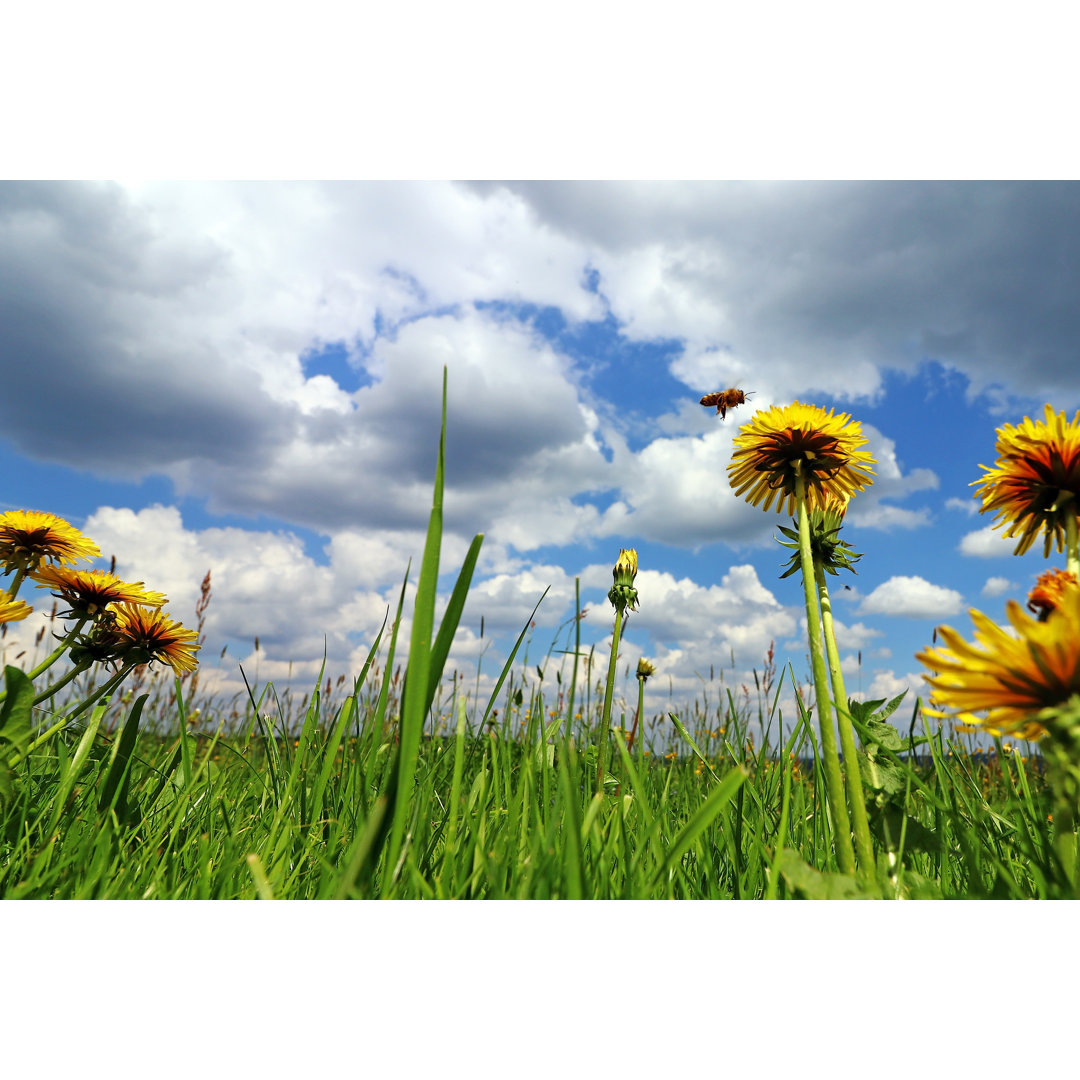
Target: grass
405, 785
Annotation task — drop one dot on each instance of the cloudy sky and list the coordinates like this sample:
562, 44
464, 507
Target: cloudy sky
245, 378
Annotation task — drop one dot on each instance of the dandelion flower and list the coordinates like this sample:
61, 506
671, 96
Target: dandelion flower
622, 593
1048, 590
28, 537
1010, 679
89, 592
779, 444
144, 634
12, 610
1035, 484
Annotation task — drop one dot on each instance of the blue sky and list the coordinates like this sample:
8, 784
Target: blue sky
245, 378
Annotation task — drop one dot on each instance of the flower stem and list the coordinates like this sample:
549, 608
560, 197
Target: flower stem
49, 691
1072, 545
856, 797
605, 719
55, 655
834, 779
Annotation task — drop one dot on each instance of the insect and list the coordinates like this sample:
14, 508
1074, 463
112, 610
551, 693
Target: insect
725, 399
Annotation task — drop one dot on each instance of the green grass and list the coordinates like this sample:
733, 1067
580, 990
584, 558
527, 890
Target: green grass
494, 809
406, 785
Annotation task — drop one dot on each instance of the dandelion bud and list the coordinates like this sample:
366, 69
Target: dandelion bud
623, 594
645, 669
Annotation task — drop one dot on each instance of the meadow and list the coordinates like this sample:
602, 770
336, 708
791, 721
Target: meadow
405, 785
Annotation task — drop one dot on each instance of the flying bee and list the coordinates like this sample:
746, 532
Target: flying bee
725, 399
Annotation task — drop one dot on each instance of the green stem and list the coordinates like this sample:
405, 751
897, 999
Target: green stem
605, 719
74, 673
66, 719
1064, 779
640, 722
55, 655
13, 589
1072, 545
856, 797
834, 778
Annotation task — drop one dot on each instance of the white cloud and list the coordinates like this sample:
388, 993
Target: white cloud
987, 543
914, 597
997, 586
964, 506
887, 684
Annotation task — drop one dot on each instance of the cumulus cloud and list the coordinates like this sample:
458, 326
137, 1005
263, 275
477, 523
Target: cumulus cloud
964, 506
987, 543
815, 286
997, 586
914, 597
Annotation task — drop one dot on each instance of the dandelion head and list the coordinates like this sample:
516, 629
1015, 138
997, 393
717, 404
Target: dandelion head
1008, 683
30, 537
1034, 486
89, 592
144, 634
12, 610
622, 593
781, 444
1048, 590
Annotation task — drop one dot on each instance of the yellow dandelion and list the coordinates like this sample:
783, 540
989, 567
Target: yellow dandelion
29, 537
1008, 679
1035, 484
1047, 593
12, 610
89, 592
144, 634
781, 443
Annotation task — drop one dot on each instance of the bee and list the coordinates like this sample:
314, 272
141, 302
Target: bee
725, 399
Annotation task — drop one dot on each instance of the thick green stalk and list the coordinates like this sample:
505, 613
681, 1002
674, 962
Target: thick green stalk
856, 797
605, 719
834, 778
1072, 545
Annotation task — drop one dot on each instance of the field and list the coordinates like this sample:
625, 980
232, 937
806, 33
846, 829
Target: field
406, 785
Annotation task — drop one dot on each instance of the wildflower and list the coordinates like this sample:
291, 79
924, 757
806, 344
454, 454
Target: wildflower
1035, 484
1012, 679
622, 593
12, 610
1046, 595
645, 669
144, 634
27, 537
782, 443
89, 592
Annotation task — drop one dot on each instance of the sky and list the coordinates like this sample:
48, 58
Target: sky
245, 378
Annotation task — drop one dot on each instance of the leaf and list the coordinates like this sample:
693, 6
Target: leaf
119, 777
15, 711
810, 884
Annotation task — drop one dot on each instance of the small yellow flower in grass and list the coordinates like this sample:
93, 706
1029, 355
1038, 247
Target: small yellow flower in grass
645, 669
1008, 679
622, 593
1048, 590
89, 592
780, 443
1035, 484
144, 634
29, 537
12, 610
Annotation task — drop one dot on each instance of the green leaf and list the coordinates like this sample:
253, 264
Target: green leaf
118, 779
16, 709
700, 820
809, 884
